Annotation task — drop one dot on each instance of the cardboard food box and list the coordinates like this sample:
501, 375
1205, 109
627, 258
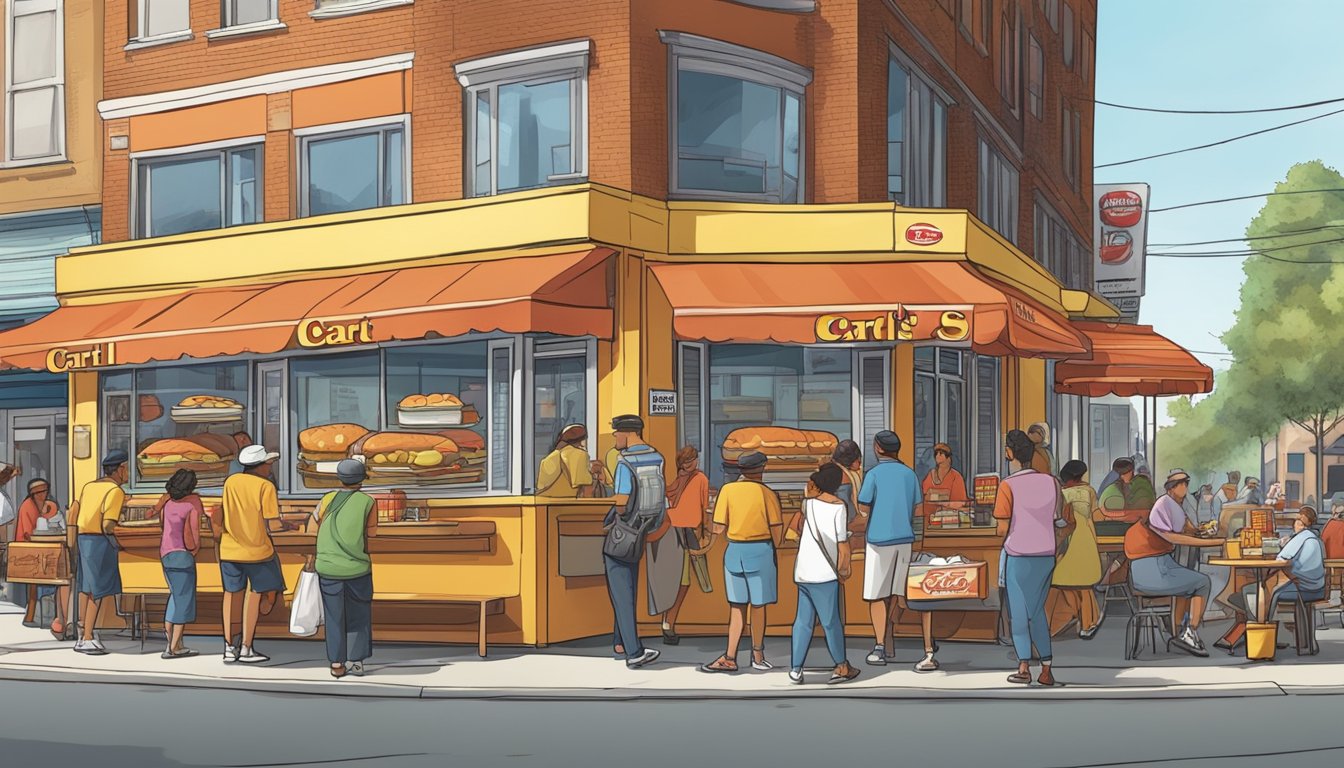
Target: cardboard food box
37, 562
968, 581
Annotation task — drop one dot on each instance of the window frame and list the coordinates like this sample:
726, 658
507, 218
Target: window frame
141, 39
1035, 77
376, 125
139, 220
534, 349
56, 83
920, 91
225, 22
1009, 63
995, 166
1050, 10
1069, 35
548, 63
710, 56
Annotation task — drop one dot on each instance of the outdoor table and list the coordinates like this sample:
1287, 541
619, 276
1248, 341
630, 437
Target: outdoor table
1261, 567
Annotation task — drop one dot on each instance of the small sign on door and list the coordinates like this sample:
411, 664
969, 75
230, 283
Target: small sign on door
662, 402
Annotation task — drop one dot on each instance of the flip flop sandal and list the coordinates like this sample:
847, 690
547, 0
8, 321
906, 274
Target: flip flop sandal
836, 679
339, 671
720, 665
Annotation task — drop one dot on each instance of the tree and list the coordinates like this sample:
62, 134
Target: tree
1208, 437
1284, 344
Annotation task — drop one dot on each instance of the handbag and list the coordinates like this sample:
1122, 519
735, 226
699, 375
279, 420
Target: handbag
305, 614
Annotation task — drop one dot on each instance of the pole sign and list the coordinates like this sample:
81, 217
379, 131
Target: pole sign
1120, 237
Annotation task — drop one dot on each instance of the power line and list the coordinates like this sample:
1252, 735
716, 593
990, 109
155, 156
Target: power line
1244, 197
1218, 111
1286, 233
1219, 143
1254, 252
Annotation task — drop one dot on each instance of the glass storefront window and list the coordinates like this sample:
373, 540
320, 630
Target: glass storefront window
439, 390
560, 386
187, 417
944, 412
335, 401
785, 386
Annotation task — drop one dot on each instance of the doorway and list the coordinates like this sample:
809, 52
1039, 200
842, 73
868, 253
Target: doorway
40, 447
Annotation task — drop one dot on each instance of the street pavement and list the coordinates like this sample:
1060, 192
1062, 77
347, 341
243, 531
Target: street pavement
111, 726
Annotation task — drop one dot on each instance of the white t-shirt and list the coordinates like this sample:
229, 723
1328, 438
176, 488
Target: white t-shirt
828, 523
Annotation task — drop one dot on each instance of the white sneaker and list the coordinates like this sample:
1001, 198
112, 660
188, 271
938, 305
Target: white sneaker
1190, 642
98, 643
252, 656
230, 654
87, 648
355, 668
796, 676
650, 655
762, 665
878, 657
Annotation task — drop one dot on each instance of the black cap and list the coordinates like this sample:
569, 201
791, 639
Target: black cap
628, 423
888, 441
751, 460
115, 458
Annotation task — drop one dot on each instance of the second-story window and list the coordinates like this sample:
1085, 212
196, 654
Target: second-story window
737, 122
1009, 56
34, 108
1068, 33
998, 191
1071, 134
195, 190
526, 118
239, 13
1035, 78
161, 18
352, 167
916, 139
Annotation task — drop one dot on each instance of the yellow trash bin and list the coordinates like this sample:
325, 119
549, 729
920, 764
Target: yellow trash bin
1261, 641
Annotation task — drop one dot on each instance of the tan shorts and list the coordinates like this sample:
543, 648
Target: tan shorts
885, 567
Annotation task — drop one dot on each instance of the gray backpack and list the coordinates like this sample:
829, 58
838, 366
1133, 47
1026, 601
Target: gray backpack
629, 528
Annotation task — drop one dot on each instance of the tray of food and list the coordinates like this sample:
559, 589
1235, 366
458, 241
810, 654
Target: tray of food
433, 410
206, 409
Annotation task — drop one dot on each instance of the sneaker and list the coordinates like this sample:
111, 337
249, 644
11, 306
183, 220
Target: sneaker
356, 668
878, 657
649, 656
1189, 642
230, 654
252, 656
87, 648
928, 664
98, 643
796, 676
762, 665
181, 653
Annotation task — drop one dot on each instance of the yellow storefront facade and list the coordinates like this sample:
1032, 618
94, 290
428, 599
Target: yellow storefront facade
565, 304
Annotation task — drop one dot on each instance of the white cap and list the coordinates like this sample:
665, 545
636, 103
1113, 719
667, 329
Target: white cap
254, 455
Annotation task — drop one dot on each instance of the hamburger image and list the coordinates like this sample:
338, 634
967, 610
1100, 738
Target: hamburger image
785, 447
206, 454
414, 457
321, 448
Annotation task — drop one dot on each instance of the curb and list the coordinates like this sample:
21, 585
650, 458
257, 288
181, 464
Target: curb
376, 690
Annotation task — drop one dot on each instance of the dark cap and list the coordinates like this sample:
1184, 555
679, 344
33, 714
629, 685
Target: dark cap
115, 458
751, 460
888, 441
351, 471
627, 423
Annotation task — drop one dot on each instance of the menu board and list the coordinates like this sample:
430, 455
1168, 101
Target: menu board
986, 489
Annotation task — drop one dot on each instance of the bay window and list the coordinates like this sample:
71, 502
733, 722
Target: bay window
737, 122
176, 192
526, 118
353, 167
34, 107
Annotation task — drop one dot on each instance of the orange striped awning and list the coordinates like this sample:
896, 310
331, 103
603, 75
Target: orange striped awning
565, 294
800, 303
1131, 360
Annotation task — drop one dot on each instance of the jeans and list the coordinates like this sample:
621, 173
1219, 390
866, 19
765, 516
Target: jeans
622, 579
1028, 582
1287, 592
347, 611
818, 601
179, 570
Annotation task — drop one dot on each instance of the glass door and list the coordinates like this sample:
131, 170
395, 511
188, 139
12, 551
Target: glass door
560, 389
40, 450
269, 416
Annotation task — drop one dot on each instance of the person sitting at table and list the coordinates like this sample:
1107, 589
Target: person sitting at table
943, 477
1149, 544
1130, 491
1332, 539
37, 506
1304, 577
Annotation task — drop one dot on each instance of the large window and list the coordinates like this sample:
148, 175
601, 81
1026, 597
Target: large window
158, 19
526, 119
998, 191
238, 13
560, 386
34, 106
353, 169
957, 402
1059, 250
193, 191
916, 139
177, 417
737, 122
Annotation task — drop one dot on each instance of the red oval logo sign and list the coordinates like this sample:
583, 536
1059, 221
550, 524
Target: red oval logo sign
923, 234
1121, 208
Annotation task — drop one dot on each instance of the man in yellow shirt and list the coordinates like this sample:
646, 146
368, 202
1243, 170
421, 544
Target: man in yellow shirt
250, 511
96, 514
748, 512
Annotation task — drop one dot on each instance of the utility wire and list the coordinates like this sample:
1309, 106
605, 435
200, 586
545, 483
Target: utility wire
1244, 197
1286, 233
1219, 143
1252, 252
1218, 111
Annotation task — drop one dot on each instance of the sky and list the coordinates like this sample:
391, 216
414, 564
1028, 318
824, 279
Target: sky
1211, 54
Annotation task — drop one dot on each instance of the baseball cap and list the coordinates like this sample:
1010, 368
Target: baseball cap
627, 423
351, 471
115, 458
751, 460
254, 455
888, 440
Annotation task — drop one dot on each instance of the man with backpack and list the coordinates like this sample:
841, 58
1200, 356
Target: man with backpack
639, 506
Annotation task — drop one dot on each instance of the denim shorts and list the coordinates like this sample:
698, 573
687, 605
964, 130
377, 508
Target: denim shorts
751, 573
264, 576
99, 573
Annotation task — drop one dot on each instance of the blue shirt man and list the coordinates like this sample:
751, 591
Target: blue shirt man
891, 489
1307, 555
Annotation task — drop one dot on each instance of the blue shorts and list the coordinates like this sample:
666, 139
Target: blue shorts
264, 576
99, 574
751, 574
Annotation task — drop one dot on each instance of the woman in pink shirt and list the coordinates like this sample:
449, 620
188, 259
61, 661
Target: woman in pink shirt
182, 511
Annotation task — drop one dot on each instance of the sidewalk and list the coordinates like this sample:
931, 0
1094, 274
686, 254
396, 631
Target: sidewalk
586, 670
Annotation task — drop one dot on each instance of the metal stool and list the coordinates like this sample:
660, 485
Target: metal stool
1304, 631
1154, 618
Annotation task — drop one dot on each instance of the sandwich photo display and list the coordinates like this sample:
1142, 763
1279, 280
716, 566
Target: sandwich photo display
414, 457
208, 455
787, 448
322, 448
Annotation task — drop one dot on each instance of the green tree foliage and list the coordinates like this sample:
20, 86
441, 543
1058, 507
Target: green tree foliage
1206, 439
1285, 342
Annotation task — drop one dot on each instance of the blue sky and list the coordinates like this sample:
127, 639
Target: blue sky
1212, 54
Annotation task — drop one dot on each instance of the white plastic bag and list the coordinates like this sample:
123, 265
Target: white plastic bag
305, 615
